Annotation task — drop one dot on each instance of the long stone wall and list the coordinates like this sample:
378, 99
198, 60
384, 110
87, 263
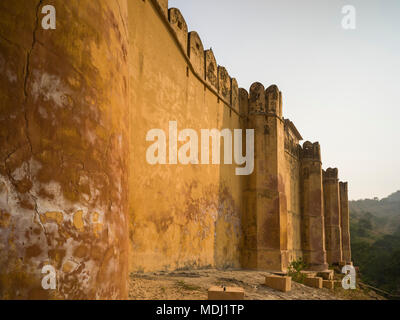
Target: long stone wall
77, 191
181, 216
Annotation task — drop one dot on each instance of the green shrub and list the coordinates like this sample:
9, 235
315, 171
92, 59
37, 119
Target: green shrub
295, 269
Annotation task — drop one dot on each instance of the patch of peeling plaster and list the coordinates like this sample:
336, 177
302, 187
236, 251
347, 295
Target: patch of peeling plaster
50, 88
45, 218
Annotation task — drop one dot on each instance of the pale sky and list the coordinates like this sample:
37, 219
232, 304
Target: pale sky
340, 87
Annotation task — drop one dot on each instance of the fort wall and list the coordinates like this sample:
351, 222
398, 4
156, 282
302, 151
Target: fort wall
77, 191
63, 149
181, 216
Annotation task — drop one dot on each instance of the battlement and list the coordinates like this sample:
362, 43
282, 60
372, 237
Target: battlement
243, 102
343, 186
261, 100
311, 151
201, 62
330, 175
273, 98
178, 24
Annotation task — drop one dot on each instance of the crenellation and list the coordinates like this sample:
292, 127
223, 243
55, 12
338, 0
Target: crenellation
196, 53
224, 84
311, 151
243, 102
273, 100
211, 69
331, 175
234, 94
307, 150
179, 25
257, 99
317, 151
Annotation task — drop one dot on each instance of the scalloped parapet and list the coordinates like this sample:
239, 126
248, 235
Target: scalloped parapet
331, 174
344, 187
179, 25
224, 83
234, 94
196, 53
311, 151
257, 98
274, 100
211, 68
243, 102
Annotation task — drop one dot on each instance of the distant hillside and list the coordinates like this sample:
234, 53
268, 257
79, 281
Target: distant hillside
375, 241
383, 214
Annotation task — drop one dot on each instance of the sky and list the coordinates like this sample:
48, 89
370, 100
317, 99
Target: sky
340, 87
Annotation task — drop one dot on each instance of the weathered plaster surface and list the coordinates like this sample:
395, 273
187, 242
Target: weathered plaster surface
63, 136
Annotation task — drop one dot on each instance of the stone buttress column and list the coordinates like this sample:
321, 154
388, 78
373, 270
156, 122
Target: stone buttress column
312, 208
63, 141
265, 195
333, 234
345, 222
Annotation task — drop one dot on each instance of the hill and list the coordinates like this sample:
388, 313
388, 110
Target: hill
375, 241
383, 214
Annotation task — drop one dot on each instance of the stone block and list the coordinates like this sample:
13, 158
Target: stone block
225, 293
309, 274
315, 282
326, 275
280, 283
328, 284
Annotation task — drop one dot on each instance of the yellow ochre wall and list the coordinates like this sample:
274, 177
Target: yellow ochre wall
63, 149
292, 186
76, 190
180, 216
